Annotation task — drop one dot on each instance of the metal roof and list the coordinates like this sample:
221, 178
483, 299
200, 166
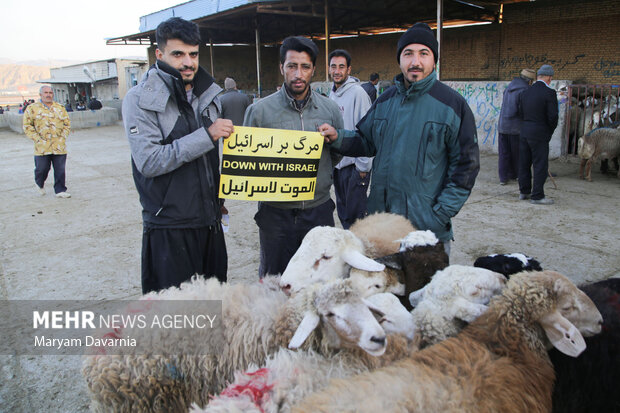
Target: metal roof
235, 21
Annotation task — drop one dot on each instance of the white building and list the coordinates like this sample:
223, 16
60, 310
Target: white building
105, 79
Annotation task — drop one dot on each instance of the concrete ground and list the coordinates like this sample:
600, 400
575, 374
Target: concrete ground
88, 247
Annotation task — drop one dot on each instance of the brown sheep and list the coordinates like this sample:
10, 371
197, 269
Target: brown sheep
499, 363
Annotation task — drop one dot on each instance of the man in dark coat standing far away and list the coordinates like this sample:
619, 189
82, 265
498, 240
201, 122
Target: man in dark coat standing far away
538, 108
171, 121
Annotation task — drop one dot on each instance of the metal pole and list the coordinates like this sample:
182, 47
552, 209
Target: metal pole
258, 87
211, 53
439, 28
326, 42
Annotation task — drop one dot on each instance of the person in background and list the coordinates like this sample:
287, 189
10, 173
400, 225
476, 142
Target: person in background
283, 225
351, 175
68, 107
47, 124
538, 109
80, 106
94, 104
510, 126
423, 136
1, 110
172, 123
234, 103
371, 87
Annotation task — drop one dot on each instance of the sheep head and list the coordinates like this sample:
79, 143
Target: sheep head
326, 253
347, 320
508, 264
564, 312
392, 315
369, 283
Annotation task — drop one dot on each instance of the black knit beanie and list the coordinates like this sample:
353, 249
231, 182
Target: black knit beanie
418, 33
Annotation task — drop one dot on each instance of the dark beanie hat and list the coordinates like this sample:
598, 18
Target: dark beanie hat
418, 33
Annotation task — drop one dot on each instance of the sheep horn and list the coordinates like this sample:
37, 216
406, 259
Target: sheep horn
358, 260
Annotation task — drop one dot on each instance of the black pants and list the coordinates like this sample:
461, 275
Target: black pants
171, 256
42, 164
508, 161
351, 194
533, 154
282, 230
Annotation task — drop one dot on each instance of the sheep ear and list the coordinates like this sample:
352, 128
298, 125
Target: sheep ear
416, 296
307, 325
563, 334
358, 260
391, 261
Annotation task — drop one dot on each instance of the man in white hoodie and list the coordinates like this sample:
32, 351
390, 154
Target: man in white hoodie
351, 175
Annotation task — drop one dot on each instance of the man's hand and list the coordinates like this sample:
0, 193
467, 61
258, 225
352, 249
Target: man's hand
329, 132
221, 128
363, 174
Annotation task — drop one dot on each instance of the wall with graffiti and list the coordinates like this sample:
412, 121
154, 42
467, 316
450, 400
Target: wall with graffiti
485, 101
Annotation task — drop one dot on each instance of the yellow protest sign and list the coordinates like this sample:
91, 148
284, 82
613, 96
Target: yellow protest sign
261, 164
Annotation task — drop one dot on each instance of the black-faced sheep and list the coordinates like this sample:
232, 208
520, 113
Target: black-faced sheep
508, 264
601, 143
499, 363
257, 321
590, 383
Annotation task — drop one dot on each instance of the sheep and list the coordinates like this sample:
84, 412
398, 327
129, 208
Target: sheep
498, 363
257, 320
590, 383
457, 295
287, 377
508, 264
420, 256
326, 253
381, 232
601, 143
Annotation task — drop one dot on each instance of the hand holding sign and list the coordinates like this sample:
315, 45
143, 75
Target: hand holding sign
328, 132
221, 128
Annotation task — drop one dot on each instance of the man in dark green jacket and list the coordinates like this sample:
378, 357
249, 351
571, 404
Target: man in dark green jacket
423, 136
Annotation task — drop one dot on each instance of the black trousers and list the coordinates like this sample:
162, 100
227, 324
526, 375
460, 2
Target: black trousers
508, 160
533, 155
171, 256
351, 194
42, 164
282, 230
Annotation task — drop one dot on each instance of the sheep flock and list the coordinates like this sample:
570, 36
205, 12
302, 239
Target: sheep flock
374, 319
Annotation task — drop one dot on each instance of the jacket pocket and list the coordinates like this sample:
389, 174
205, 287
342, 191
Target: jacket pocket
432, 153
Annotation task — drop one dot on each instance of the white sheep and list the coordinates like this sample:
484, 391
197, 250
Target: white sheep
256, 321
457, 295
288, 377
326, 253
498, 363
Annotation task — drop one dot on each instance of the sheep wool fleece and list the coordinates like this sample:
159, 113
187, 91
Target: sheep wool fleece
426, 152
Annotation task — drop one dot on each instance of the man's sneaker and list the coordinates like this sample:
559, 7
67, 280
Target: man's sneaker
542, 201
63, 195
502, 183
40, 190
523, 197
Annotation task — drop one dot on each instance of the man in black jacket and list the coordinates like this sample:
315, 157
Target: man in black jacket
171, 121
538, 108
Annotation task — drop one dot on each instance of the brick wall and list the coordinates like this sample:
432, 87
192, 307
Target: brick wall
580, 38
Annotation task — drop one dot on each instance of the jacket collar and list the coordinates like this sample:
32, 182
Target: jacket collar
415, 88
290, 101
346, 85
170, 75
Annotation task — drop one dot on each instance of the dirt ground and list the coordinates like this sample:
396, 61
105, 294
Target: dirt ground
88, 247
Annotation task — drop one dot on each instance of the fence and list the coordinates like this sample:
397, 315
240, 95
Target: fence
589, 107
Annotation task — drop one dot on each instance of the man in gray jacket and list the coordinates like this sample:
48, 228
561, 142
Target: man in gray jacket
351, 175
171, 121
283, 225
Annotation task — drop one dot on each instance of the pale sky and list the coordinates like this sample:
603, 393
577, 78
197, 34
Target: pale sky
71, 29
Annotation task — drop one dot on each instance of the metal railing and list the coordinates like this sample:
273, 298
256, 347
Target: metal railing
589, 107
